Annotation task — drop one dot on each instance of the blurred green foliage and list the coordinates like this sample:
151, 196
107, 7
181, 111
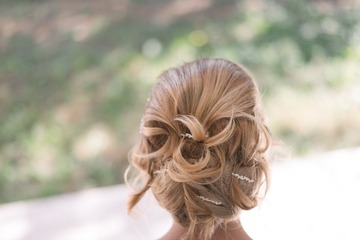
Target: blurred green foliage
74, 77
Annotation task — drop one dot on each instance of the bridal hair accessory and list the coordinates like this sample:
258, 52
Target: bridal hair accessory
217, 203
141, 125
187, 135
242, 177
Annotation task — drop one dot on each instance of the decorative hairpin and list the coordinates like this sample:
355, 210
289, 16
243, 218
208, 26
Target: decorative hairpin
187, 135
141, 125
242, 177
217, 203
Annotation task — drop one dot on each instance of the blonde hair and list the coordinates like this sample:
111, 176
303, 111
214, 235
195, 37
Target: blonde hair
203, 145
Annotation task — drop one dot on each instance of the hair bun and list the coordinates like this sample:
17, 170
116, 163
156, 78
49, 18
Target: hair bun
196, 129
192, 146
193, 138
192, 150
191, 155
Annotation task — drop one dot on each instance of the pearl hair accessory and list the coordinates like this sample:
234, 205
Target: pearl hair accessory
217, 203
242, 177
187, 135
141, 125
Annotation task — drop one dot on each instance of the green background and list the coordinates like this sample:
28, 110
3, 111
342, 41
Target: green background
75, 75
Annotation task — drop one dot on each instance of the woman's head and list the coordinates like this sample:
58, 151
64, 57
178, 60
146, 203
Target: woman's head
203, 144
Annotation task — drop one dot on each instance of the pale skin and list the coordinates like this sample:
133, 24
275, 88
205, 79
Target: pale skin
232, 231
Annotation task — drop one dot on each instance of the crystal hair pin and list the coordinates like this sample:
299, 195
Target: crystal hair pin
217, 203
141, 125
187, 135
242, 177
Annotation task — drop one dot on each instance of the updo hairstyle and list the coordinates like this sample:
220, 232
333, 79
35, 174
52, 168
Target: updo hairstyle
203, 145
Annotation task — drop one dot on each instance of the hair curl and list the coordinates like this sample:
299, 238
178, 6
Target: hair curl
216, 103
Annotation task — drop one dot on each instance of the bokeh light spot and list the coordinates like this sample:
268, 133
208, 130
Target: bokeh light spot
152, 48
198, 38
